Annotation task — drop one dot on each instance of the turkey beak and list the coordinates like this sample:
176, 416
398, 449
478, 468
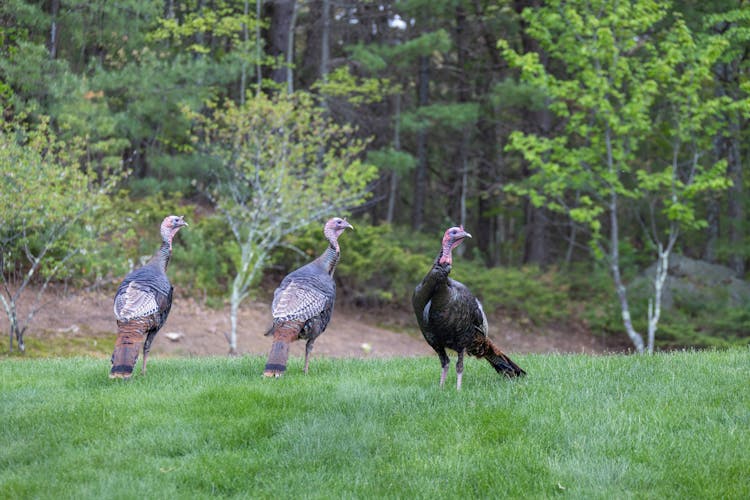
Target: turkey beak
181, 222
347, 225
466, 235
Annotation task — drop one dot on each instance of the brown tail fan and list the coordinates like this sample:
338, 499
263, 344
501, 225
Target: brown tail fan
502, 363
482, 347
130, 338
283, 335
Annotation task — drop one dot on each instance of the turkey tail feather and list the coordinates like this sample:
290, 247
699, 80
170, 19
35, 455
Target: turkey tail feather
503, 364
484, 348
130, 338
283, 335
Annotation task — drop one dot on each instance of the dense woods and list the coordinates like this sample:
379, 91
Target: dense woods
563, 135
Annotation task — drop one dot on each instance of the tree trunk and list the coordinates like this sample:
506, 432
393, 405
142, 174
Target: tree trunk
169, 9
281, 13
290, 52
536, 248
258, 48
614, 252
243, 69
15, 331
325, 39
572, 234
464, 96
393, 190
234, 305
199, 36
487, 234
420, 174
622, 292
54, 35
713, 211
730, 147
660, 277
735, 206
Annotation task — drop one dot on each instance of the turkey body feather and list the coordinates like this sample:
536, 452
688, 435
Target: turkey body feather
143, 292
142, 304
303, 303
304, 293
451, 317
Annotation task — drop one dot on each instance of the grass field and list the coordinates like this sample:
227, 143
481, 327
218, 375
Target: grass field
665, 426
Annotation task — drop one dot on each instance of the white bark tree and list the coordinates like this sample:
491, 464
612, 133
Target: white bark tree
639, 124
283, 165
46, 195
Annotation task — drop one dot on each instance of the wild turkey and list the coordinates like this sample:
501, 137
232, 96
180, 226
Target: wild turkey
142, 304
451, 317
303, 303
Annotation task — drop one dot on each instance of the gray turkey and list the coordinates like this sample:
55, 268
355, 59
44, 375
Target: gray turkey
142, 304
451, 317
303, 303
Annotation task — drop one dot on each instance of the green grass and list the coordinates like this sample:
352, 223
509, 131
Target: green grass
671, 425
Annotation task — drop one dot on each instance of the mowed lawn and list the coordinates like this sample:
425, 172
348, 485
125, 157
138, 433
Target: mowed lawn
673, 425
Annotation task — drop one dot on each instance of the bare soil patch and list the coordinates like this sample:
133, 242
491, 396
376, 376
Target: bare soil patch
194, 329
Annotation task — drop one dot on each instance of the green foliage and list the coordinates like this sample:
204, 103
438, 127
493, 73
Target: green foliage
640, 121
376, 268
282, 165
390, 159
381, 265
589, 427
610, 106
50, 203
371, 59
224, 20
509, 93
27, 69
692, 320
525, 294
202, 255
342, 83
203, 266
425, 44
47, 217
455, 116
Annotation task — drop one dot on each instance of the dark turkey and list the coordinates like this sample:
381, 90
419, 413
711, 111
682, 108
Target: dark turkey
142, 304
303, 302
451, 317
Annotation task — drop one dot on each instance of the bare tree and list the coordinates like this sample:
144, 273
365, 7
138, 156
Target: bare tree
46, 195
282, 15
283, 166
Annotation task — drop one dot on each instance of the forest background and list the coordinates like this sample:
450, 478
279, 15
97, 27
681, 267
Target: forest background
586, 146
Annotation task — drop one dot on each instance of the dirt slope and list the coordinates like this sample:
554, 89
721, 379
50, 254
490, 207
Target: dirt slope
199, 330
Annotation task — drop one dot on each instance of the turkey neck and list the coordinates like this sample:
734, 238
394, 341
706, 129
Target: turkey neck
162, 256
330, 257
438, 274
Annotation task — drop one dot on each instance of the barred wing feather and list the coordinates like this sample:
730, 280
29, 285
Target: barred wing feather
135, 301
299, 301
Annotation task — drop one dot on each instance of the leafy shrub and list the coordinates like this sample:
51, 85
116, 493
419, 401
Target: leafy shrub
693, 320
200, 262
203, 267
375, 268
526, 293
381, 265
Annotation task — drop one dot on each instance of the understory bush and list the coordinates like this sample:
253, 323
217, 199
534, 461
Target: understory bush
381, 265
692, 320
379, 269
200, 261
